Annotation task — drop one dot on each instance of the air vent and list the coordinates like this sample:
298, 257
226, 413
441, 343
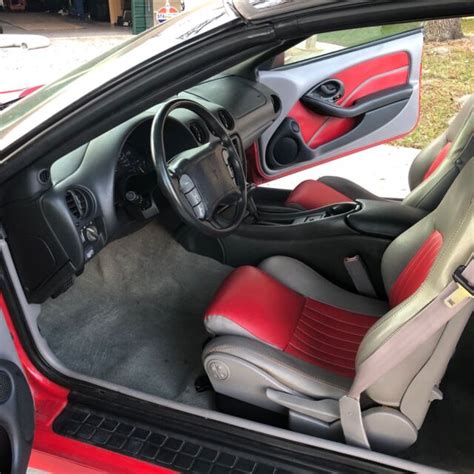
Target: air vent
78, 203
276, 102
226, 119
44, 176
199, 133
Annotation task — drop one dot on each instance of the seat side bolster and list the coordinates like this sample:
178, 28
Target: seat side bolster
298, 375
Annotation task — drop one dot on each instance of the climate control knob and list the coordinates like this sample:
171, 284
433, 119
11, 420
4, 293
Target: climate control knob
91, 233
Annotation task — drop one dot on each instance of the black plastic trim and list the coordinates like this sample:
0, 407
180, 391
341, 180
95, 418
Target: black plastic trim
367, 104
163, 440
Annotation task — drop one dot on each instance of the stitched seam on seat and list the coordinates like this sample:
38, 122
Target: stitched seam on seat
296, 323
327, 344
413, 266
329, 335
349, 357
333, 318
337, 329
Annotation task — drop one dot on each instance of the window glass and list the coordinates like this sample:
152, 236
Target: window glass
325, 43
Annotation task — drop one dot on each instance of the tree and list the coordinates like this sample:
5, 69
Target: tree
443, 30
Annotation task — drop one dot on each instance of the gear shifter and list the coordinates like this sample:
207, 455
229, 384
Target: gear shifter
251, 206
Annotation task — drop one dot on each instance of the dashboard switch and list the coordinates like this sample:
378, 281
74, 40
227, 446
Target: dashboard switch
91, 233
199, 211
186, 184
193, 197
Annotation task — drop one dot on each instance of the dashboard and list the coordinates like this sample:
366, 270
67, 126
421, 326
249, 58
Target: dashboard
99, 189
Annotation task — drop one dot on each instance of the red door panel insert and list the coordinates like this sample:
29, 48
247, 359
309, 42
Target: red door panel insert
359, 81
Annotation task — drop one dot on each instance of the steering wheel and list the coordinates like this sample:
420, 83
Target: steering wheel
204, 182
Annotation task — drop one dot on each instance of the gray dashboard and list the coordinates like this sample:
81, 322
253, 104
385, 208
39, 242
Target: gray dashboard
100, 186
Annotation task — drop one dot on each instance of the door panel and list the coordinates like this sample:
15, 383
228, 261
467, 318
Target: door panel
16, 406
342, 103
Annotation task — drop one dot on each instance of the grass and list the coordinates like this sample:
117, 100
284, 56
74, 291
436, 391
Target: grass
468, 26
448, 75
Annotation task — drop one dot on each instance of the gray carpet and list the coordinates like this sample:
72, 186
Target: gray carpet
135, 316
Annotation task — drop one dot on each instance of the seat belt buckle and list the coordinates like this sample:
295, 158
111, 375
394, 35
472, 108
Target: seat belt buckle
465, 289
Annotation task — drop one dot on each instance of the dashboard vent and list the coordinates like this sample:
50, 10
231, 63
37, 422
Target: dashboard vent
226, 119
77, 203
198, 131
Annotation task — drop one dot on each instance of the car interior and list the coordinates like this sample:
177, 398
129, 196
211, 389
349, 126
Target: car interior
154, 261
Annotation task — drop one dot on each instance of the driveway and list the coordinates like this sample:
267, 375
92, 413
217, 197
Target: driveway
382, 170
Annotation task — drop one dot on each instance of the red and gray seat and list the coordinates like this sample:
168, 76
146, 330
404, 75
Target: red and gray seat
430, 176
288, 340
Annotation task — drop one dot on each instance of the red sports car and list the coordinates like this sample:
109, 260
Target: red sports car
162, 311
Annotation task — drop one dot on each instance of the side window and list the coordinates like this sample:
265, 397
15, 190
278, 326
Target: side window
326, 43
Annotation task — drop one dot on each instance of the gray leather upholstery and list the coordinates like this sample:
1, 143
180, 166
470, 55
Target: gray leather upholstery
301, 278
246, 368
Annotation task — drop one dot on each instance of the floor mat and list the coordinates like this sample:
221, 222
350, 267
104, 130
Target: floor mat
446, 438
135, 316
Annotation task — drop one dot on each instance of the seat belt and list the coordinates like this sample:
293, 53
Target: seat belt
455, 297
360, 276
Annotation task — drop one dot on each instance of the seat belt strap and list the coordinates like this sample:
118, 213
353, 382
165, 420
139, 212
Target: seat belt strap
359, 276
458, 295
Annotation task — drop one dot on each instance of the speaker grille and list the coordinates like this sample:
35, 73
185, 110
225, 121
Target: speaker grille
5, 386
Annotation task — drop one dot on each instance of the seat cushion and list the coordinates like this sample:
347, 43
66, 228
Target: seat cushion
251, 303
328, 190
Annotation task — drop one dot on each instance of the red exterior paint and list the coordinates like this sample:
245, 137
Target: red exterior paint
312, 194
417, 269
307, 329
438, 160
57, 454
29, 91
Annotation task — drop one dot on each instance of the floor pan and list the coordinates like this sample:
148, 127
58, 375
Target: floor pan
135, 316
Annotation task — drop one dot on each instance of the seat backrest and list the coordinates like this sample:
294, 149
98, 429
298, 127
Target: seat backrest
416, 267
435, 168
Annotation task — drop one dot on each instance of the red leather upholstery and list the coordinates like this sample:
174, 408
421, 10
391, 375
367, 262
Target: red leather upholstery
312, 194
328, 337
360, 80
260, 304
438, 160
307, 329
417, 269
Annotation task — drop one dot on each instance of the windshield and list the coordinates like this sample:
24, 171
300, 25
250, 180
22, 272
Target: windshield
31, 111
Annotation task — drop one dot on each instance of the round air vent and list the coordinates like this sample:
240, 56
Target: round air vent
78, 203
226, 119
44, 176
199, 133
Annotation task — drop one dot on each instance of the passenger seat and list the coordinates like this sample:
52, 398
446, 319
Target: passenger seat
431, 174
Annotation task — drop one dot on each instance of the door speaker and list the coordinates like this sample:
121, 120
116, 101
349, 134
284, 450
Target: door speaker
286, 151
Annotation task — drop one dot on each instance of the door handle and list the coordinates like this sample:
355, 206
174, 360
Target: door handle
367, 104
330, 90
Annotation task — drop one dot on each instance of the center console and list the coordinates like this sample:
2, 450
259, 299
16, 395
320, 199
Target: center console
380, 218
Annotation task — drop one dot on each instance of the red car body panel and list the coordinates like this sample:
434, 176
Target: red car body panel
54, 453
16, 94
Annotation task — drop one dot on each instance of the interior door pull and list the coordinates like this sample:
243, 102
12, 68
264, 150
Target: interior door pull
368, 103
